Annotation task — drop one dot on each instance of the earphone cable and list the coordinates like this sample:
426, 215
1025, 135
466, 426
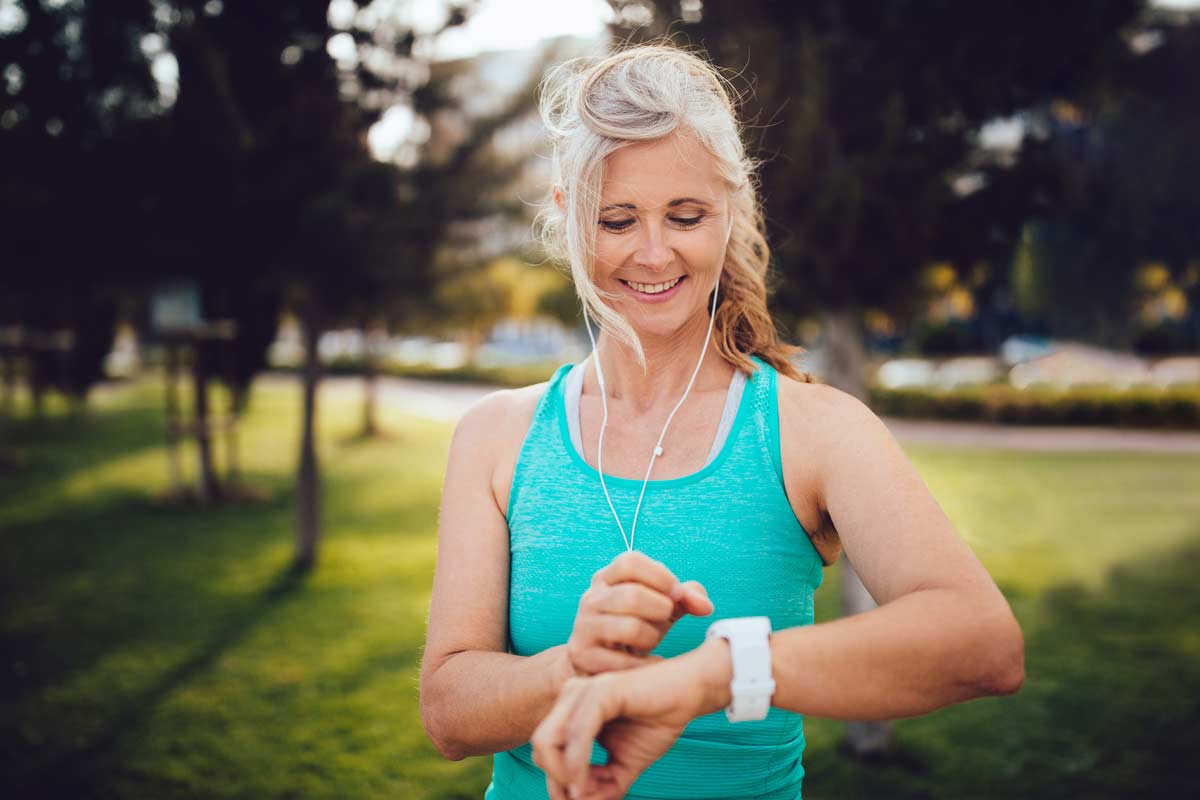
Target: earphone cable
629, 539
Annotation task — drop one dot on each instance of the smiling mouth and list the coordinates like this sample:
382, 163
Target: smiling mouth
652, 288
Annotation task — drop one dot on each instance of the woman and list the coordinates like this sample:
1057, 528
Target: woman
573, 593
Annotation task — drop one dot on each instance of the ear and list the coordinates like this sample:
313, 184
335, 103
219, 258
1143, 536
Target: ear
560, 200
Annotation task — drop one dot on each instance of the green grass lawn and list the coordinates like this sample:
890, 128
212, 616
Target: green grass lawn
166, 652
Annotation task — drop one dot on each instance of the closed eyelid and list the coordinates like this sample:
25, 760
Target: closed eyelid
680, 222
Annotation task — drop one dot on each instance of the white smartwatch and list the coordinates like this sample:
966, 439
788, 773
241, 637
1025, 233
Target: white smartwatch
749, 646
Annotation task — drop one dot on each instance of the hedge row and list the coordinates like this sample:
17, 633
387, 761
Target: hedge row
1135, 408
512, 377
1177, 408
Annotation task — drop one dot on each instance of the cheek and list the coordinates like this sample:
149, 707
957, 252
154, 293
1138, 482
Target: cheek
699, 251
702, 255
612, 252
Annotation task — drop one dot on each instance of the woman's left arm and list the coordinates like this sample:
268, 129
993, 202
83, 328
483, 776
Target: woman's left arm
942, 632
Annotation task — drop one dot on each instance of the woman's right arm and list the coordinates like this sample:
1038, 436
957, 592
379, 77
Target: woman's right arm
476, 698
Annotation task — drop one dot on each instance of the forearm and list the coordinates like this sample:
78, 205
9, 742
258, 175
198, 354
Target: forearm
481, 702
919, 653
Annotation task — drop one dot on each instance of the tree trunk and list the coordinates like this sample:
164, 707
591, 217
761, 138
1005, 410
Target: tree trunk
843, 363
863, 740
174, 421
37, 382
210, 488
308, 481
8, 382
237, 402
474, 340
843, 359
370, 382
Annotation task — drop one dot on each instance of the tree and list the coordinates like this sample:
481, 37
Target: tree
77, 120
866, 114
1122, 169
454, 183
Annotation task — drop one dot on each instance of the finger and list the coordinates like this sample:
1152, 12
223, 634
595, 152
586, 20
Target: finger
549, 737
691, 598
614, 630
555, 790
636, 566
581, 729
592, 788
606, 783
635, 599
605, 659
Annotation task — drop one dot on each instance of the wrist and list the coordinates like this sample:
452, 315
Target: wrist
561, 668
712, 666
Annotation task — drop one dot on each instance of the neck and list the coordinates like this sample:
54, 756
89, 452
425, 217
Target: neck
670, 362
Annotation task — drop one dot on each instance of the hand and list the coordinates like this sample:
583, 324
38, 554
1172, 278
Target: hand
626, 612
636, 715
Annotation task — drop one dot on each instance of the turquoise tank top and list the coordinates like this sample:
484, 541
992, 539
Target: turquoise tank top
729, 526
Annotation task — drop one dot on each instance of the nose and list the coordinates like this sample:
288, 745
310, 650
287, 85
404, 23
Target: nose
653, 252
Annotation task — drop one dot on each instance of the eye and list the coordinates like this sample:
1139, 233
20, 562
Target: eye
615, 224
689, 222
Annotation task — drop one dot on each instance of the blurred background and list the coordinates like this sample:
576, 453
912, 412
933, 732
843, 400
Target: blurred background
257, 258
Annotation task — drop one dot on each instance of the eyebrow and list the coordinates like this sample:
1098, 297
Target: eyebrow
676, 202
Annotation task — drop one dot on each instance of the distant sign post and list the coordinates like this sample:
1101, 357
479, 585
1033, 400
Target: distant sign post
175, 315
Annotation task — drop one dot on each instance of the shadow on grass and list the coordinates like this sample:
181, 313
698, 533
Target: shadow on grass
114, 573
58, 445
1110, 707
83, 772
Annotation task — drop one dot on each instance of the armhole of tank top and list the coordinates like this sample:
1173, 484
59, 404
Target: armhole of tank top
773, 435
538, 411
776, 447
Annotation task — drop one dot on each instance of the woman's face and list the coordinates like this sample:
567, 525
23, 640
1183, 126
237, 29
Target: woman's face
661, 233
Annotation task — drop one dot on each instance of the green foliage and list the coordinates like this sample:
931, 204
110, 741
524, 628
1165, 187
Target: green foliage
865, 113
506, 288
1118, 186
1137, 408
76, 119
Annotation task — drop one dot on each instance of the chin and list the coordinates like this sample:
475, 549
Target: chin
661, 326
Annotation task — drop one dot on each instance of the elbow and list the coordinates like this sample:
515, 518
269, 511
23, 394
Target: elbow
1006, 651
447, 749
445, 746
450, 753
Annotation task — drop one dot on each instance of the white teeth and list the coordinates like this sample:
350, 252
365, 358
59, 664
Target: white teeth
654, 288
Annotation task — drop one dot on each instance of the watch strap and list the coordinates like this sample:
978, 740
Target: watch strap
749, 646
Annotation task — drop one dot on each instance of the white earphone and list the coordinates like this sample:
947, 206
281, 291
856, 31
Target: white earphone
658, 450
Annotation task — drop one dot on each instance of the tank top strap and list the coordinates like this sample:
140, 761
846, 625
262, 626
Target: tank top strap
765, 396
541, 435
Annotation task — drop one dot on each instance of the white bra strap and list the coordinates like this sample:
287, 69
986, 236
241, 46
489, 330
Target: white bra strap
573, 389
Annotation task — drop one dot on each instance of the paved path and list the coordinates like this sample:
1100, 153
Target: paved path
445, 402
1042, 437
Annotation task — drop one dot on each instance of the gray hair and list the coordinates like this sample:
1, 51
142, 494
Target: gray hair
594, 107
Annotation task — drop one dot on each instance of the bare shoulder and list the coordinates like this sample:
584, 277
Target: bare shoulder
822, 428
493, 428
489, 417
828, 416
